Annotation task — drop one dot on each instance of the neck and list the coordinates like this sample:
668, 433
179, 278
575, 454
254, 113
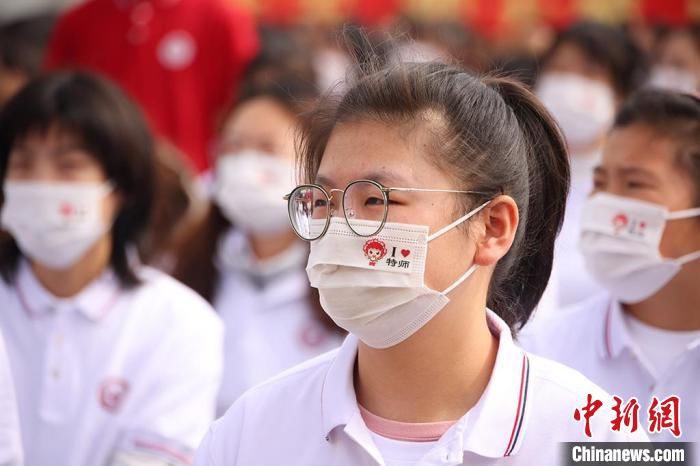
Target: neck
268, 246
437, 374
69, 282
676, 306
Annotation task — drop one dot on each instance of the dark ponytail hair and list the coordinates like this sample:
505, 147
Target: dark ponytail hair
519, 284
493, 136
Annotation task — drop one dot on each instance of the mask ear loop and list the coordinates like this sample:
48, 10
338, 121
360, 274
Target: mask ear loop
690, 257
461, 279
681, 214
462, 219
447, 228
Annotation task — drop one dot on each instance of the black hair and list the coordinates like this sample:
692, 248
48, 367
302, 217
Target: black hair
671, 115
494, 136
23, 42
610, 47
110, 128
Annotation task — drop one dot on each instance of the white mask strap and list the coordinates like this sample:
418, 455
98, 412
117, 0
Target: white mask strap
681, 214
462, 219
688, 258
461, 279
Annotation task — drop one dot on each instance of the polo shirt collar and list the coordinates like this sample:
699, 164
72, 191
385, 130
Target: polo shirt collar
614, 336
493, 428
93, 302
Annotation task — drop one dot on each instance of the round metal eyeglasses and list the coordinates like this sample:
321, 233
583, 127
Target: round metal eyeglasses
364, 203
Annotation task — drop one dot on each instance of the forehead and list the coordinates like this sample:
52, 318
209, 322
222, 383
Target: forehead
639, 145
395, 154
247, 117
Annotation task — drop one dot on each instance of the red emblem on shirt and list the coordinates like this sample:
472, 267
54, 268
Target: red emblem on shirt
112, 393
374, 250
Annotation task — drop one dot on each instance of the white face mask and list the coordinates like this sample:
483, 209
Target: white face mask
54, 224
583, 108
249, 189
620, 240
374, 287
673, 79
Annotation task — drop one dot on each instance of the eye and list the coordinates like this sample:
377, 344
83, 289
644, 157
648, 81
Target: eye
374, 201
320, 203
633, 184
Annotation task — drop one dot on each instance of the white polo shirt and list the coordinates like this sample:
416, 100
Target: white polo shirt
592, 337
270, 323
309, 416
10, 442
109, 369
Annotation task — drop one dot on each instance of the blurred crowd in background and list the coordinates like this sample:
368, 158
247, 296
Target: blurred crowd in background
221, 77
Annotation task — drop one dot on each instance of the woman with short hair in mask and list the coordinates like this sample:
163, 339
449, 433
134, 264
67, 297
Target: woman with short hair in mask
431, 204
114, 363
243, 257
589, 69
640, 238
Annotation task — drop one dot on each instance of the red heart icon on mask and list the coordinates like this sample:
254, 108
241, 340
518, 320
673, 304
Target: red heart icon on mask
405, 252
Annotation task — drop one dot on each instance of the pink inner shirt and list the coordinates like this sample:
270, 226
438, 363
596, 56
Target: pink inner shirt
405, 431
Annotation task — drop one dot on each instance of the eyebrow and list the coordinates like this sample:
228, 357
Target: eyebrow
323, 181
625, 171
637, 171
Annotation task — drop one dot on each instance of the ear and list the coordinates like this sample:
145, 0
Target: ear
500, 219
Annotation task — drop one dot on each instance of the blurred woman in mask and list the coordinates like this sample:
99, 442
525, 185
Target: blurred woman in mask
114, 363
244, 258
640, 238
589, 69
677, 65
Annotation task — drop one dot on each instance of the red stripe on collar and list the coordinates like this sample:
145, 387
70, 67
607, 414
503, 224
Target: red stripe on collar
520, 410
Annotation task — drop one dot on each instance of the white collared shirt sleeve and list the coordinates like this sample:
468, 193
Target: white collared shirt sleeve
10, 443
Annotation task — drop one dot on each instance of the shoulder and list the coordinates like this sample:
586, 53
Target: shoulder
581, 321
170, 301
288, 406
304, 381
557, 392
82, 12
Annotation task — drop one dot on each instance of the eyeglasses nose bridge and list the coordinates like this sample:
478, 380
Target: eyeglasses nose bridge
332, 211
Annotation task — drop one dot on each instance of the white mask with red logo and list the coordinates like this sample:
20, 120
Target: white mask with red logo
584, 108
620, 240
250, 188
374, 287
54, 224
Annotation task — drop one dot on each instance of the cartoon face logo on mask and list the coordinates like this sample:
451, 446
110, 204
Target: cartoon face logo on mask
374, 250
621, 222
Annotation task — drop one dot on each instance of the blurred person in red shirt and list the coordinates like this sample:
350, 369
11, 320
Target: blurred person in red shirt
180, 59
